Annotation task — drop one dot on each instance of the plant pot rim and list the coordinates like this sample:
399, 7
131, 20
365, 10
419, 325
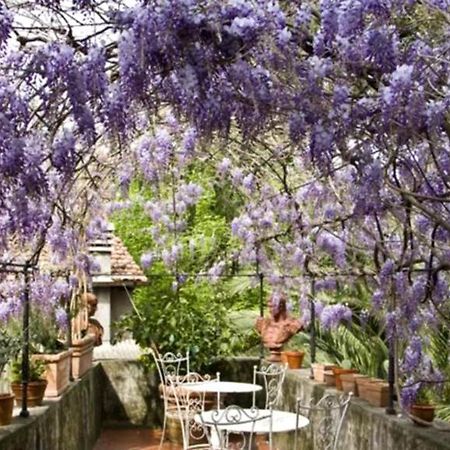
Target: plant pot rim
53, 357
341, 370
6, 395
423, 406
32, 383
293, 352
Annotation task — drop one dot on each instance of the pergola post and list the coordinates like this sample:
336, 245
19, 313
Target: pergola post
25, 342
312, 330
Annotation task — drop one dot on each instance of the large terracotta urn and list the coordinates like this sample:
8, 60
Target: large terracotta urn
82, 352
57, 372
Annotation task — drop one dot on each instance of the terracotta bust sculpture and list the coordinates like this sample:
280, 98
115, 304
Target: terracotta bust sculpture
278, 328
94, 327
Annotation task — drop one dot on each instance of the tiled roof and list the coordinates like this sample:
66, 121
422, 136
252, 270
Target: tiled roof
123, 266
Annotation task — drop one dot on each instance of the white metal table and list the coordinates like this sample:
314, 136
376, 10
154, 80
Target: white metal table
282, 422
222, 387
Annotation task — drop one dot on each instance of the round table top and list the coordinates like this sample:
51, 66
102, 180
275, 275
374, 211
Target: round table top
223, 387
282, 421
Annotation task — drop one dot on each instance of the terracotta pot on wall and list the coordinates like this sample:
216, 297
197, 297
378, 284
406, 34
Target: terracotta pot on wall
338, 371
82, 352
349, 382
35, 392
377, 394
330, 378
57, 372
6, 408
423, 412
294, 359
319, 371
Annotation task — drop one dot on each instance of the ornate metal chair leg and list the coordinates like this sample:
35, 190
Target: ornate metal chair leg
163, 434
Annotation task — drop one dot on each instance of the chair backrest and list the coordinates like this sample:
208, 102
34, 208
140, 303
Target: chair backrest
272, 376
234, 426
190, 403
171, 364
326, 418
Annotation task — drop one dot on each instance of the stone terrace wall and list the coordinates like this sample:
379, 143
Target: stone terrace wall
72, 422
365, 428
131, 392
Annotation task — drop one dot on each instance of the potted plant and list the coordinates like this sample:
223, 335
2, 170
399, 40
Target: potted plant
51, 350
423, 407
9, 346
36, 382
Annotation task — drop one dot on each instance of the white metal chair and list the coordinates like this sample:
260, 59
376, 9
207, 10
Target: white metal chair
169, 365
326, 418
190, 404
234, 427
273, 376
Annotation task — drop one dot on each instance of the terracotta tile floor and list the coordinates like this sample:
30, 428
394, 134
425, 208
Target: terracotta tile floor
132, 439
138, 439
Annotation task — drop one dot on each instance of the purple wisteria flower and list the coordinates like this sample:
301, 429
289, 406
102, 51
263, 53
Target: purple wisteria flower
147, 260
333, 315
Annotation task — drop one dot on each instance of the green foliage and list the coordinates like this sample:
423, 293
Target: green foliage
425, 396
36, 370
9, 347
44, 334
194, 320
195, 316
362, 346
440, 354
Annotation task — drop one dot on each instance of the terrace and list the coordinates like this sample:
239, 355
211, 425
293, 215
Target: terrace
240, 182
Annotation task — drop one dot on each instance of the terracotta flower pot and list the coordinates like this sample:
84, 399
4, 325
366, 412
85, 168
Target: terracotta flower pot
330, 378
423, 412
377, 394
349, 382
294, 359
338, 371
6, 408
57, 372
35, 392
284, 359
82, 352
362, 382
319, 371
